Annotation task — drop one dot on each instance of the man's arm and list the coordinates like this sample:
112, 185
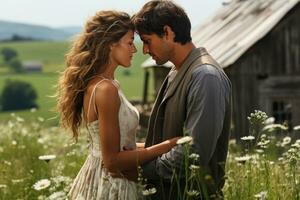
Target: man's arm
204, 122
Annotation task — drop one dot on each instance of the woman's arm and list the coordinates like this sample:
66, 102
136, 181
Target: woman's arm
108, 104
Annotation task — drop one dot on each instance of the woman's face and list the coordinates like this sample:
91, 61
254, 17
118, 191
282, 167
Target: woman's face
122, 51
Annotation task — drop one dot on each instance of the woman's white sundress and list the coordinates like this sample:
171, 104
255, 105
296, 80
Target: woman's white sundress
93, 182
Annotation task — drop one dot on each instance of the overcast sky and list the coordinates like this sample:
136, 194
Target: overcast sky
58, 13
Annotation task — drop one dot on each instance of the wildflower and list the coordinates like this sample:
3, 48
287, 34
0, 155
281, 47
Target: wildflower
149, 191
57, 196
14, 181
10, 124
273, 127
242, 159
41, 140
259, 150
14, 142
296, 145
194, 156
47, 158
7, 162
270, 120
3, 186
183, 140
33, 110
41, 119
246, 138
41, 184
19, 119
261, 196
297, 128
41, 197
263, 136
257, 117
193, 193
292, 150
263, 143
194, 167
286, 141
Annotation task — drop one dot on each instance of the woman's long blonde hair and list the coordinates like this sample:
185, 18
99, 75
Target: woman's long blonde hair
87, 57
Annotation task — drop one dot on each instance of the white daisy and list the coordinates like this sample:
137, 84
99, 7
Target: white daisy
297, 128
33, 110
19, 119
3, 186
270, 120
273, 127
286, 141
242, 159
47, 157
261, 196
193, 193
57, 196
183, 140
41, 184
149, 191
194, 156
249, 137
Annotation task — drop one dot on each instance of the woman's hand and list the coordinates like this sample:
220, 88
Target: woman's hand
173, 141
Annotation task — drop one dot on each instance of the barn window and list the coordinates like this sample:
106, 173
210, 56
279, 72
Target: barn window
282, 112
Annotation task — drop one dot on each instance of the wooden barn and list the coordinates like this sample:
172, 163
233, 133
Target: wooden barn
257, 42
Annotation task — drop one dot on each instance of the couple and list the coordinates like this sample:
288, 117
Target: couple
195, 98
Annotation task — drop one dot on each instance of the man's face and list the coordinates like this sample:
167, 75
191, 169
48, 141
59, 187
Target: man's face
157, 47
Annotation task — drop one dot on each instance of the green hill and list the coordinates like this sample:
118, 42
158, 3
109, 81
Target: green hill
37, 32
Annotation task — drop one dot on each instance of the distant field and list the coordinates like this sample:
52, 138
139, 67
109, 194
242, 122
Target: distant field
49, 53
52, 55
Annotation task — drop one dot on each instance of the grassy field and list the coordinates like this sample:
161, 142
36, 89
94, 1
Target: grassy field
268, 170
52, 55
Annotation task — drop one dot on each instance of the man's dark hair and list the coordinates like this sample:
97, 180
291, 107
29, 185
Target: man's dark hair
156, 14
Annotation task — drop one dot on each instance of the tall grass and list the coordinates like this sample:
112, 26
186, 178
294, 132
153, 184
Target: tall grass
268, 169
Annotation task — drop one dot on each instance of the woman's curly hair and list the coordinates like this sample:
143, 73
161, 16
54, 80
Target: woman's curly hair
87, 57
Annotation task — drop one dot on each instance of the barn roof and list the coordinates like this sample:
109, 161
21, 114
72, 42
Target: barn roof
236, 27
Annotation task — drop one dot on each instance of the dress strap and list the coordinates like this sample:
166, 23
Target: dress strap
93, 96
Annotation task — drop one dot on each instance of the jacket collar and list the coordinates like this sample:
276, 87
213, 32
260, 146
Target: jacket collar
193, 55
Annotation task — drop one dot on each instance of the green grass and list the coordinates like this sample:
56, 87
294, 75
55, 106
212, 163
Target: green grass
52, 55
250, 174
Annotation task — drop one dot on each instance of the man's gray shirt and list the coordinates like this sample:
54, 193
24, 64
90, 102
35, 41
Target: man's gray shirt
208, 92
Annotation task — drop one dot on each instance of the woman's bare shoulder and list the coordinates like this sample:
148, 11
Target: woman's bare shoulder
106, 94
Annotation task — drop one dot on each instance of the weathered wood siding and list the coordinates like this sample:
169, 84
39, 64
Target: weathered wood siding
277, 54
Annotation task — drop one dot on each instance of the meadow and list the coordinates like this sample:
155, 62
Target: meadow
51, 54
38, 162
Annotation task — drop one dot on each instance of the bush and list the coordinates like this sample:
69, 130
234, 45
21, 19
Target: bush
8, 54
15, 66
18, 95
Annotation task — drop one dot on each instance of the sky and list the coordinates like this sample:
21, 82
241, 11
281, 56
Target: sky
60, 13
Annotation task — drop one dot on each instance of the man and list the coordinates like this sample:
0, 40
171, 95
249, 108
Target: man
195, 98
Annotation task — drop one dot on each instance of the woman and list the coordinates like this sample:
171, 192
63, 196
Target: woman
87, 91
